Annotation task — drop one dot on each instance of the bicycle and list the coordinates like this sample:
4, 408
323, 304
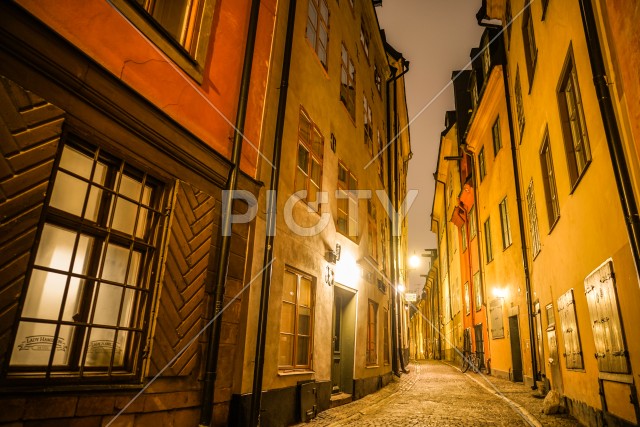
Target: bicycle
470, 360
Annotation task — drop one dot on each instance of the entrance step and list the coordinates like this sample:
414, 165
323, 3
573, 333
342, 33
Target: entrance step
340, 399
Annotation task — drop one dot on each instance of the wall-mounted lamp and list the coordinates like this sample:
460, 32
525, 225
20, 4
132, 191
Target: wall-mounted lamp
334, 256
329, 276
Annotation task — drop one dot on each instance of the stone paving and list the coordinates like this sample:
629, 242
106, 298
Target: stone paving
438, 394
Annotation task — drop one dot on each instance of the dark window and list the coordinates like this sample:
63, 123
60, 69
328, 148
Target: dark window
519, 106
385, 319
549, 180
309, 166
90, 288
318, 28
364, 39
576, 141
533, 220
506, 225
347, 202
296, 321
487, 240
372, 234
348, 83
529, 41
473, 227
545, 4
482, 169
495, 133
372, 333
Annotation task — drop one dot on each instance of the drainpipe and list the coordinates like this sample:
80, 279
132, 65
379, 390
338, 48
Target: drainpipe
516, 172
224, 242
446, 235
611, 128
397, 351
267, 263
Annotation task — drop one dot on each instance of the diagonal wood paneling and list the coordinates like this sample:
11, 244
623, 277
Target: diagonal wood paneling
181, 311
30, 129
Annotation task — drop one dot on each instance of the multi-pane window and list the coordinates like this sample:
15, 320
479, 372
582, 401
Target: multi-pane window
364, 39
377, 78
570, 333
296, 321
385, 335
495, 133
380, 154
348, 82
545, 4
318, 28
611, 352
488, 247
310, 152
529, 41
463, 232
473, 91
372, 333
347, 202
467, 298
519, 105
368, 123
486, 56
506, 225
89, 291
533, 220
478, 295
482, 167
372, 230
473, 227
507, 21
574, 126
549, 180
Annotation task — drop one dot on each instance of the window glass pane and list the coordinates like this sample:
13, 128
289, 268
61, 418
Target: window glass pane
109, 299
305, 292
115, 265
285, 356
100, 346
290, 285
172, 15
303, 351
288, 318
324, 11
305, 128
33, 344
303, 159
304, 321
315, 171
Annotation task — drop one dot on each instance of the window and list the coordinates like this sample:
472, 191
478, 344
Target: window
180, 28
385, 328
519, 106
611, 352
377, 78
364, 39
576, 140
347, 202
497, 140
309, 166
549, 180
497, 321
296, 321
372, 333
348, 83
529, 40
473, 228
380, 154
318, 28
545, 4
487, 240
570, 333
473, 91
477, 291
482, 169
372, 235
533, 220
368, 124
467, 299
506, 226
486, 56
507, 21
463, 232
88, 295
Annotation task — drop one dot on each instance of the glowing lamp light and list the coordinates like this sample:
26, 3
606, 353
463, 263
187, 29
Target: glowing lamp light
401, 288
500, 292
414, 261
347, 271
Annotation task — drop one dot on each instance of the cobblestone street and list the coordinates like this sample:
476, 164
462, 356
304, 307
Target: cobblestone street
438, 394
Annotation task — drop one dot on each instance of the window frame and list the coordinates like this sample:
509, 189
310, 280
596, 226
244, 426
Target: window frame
347, 195
478, 294
549, 181
496, 136
314, 155
488, 244
482, 164
519, 105
316, 26
191, 62
104, 235
385, 336
529, 43
348, 79
507, 239
536, 245
473, 226
367, 123
309, 365
371, 353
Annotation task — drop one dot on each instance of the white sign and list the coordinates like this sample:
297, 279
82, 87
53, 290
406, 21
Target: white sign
410, 297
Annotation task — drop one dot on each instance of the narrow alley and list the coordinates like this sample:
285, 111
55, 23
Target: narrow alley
438, 394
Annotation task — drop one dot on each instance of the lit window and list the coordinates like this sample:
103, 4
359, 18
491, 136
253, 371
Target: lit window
309, 166
318, 28
348, 83
372, 333
482, 168
463, 232
549, 180
495, 133
478, 295
486, 56
573, 122
90, 287
506, 225
487, 240
467, 298
473, 228
296, 321
347, 202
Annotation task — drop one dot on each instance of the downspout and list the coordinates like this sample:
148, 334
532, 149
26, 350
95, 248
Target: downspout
446, 235
611, 128
224, 241
437, 345
516, 171
267, 263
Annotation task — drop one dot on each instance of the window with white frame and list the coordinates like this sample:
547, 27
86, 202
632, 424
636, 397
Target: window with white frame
89, 292
364, 39
296, 321
318, 28
473, 227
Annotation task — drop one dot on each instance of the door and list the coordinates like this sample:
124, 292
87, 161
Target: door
539, 340
479, 344
336, 369
516, 354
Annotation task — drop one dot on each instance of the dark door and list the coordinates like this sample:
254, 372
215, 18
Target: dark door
336, 370
516, 355
479, 345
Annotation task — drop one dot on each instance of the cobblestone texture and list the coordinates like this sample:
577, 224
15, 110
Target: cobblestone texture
438, 394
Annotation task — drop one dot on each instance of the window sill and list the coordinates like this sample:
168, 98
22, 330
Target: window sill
11, 387
287, 373
372, 366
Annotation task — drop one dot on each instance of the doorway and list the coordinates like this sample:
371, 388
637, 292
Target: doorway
343, 339
479, 344
516, 354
